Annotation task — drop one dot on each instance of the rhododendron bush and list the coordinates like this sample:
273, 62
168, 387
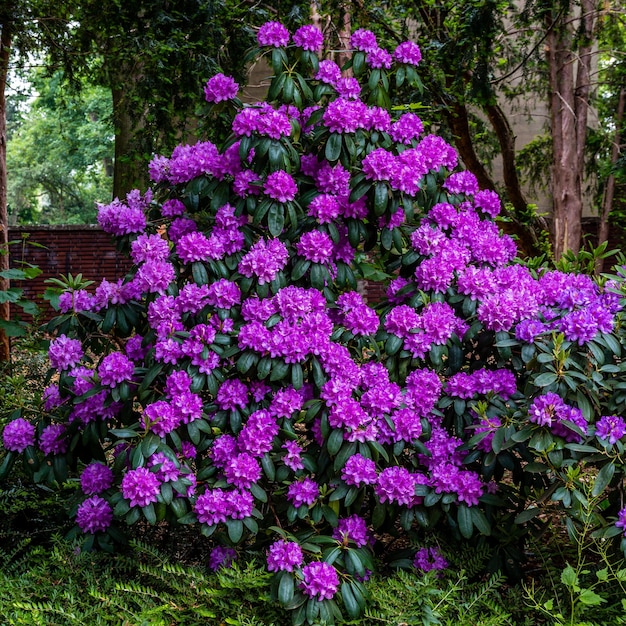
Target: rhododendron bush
237, 380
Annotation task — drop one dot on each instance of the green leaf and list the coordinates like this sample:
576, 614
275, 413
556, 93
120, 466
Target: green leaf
569, 577
480, 521
545, 379
149, 513
276, 219
235, 529
590, 598
286, 588
334, 442
604, 477
349, 601
333, 146
381, 197
464, 519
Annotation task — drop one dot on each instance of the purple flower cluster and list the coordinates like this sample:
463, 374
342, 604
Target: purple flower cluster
140, 486
220, 88
355, 315
551, 411
18, 435
217, 505
96, 478
610, 428
359, 470
65, 353
319, 580
481, 382
221, 556
114, 369
408, 53
94, 515
303, 492
53, 439
280, 186
429, 559
273, 34
309, 38
354, 529
284, 556
265, 259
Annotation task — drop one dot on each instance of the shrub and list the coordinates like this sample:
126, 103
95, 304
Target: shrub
236, 379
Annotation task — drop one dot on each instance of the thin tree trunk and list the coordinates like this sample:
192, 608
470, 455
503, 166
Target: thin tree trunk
609, 192
566, 179
5, 49
459, 123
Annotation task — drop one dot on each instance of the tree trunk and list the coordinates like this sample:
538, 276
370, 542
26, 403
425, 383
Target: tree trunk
459, 124
609, 192
5, 50
130, 168
569, 105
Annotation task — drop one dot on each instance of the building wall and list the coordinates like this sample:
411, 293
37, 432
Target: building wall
57, 250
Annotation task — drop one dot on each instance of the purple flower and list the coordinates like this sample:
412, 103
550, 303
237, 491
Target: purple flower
284, 556
53, 440
379, 58
396, 484
118, 219
220, 88
197, 246
264, 260
223, 449
328, 72
221, 556
115, 368
280, 186
345, 116
379, 164
160, 418
408, 52
359, 470
407, 128
232, 394
364, 40
292, 459
303, 492
488, 201
551, 411
173, 208
258, 433
353, 528
140, 486
315, 246
96, 478
166, 469
429, 559
320, 580
242, 470
216, 505
610, 428
273, 34
348, 87
309, 37
94, 515
18, 435
65, 353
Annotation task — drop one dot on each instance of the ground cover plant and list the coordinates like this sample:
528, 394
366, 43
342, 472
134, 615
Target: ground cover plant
236, 379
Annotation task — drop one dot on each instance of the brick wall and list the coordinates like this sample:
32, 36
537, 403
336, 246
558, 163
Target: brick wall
57, 250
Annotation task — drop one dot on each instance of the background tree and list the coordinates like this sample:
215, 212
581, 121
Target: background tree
480, 54
59, 153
